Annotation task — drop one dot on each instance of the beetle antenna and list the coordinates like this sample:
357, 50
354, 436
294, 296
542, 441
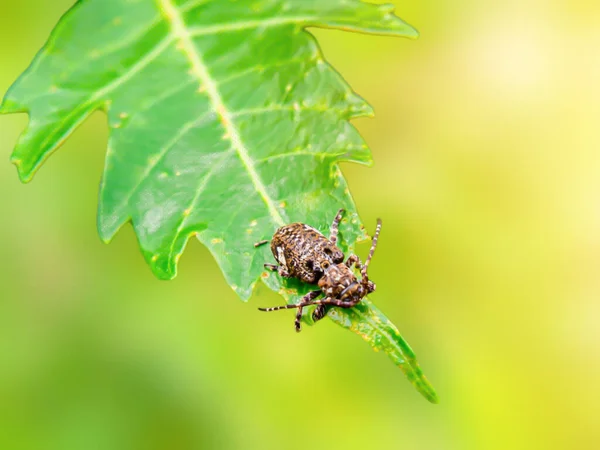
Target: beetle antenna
365, 266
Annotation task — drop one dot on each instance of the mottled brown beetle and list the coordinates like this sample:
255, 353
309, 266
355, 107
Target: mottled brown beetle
304, 253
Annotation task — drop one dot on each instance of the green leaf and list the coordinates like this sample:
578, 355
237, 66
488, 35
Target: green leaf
226, 123
366, 320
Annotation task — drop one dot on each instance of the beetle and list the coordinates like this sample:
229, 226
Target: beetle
304, 253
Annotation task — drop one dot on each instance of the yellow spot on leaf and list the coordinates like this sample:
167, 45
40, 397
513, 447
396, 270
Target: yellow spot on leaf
282, 204
123, 115
253, 223
154, 258
216, 240
187, 212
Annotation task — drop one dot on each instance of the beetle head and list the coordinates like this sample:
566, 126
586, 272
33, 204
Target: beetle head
336, 278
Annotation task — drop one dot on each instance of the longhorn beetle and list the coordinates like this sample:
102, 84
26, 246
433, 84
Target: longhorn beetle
304, 253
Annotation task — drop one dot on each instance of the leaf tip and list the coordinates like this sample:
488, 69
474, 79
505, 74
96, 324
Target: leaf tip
243, 293
25, 173
108, 224
104, 238
396, 23
362, 109
164, 267
433, 398
427, 390
412, 32
368, 160
8, 106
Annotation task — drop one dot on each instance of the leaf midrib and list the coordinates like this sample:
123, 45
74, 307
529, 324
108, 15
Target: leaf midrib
182, 34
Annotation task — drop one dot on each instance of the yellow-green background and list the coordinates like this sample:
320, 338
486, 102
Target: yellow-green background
487, 176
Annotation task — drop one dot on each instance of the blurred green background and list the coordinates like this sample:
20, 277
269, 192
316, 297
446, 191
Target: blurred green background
487, 176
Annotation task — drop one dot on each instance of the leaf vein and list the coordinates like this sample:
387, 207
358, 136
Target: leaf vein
158, 157
249, 24
163, 96
151, 56
199, 69
307, 153
257, 68
199, 190
277, 108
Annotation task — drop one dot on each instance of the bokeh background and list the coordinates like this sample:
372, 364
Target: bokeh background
487, 174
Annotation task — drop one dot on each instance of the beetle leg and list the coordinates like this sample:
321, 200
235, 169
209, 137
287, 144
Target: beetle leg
337, 302
275, 268
307, 298
319, 312
354, 260
298, 319
322, 302
305, 301
259, 243
283, 272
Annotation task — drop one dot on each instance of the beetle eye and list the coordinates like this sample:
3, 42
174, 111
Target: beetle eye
325, 264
